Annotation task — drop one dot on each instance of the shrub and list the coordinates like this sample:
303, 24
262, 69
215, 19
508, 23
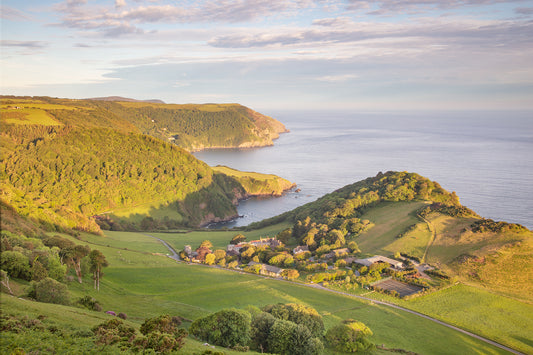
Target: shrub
49, 291
122, 316
89, 303
351, 337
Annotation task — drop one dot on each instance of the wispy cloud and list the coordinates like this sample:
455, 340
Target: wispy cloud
390, 7
113, 22
9, 13
24, 44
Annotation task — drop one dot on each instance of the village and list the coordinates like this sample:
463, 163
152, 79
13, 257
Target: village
340, 268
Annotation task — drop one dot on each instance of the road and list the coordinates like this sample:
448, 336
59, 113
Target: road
176, 257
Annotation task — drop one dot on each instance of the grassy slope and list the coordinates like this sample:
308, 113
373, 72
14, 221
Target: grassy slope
391, 219
150, 285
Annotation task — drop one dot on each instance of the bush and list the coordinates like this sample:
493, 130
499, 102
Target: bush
49, 291
122, 316
351, 337
90, 303
227, 328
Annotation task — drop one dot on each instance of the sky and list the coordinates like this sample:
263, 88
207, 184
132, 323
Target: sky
274, 54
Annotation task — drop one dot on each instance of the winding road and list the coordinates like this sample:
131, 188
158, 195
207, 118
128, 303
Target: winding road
176, 257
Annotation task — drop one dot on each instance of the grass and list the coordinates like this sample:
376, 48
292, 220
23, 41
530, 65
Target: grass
144, 285
237, 173
136, 214
28, 116
219, 239
502, 319
391, 219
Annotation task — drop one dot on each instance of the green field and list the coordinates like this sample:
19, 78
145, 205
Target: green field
220, 239
144, 285
499, 318
391, 219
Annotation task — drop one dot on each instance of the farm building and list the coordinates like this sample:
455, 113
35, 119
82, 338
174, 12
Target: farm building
398, 265
267, 270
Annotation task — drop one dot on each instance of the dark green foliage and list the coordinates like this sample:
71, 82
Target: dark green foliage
488, 225
299, 314
351, 337
113, 331
49, 291
15, 264
260, 330
449, 210
89, 303
227, 328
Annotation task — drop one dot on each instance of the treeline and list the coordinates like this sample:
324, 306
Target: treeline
280, 329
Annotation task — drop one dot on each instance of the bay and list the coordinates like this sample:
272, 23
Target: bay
485, 157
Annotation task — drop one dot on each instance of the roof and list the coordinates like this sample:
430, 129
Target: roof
377, 259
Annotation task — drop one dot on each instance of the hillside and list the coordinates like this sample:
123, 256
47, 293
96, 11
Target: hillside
399, 212
190, 126
196, 127
65, 161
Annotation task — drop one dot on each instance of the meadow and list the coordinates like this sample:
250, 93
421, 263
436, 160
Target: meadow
390, 220
143, 285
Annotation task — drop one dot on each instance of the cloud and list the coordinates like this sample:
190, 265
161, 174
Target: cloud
391, 7
209, 11
120, 3
337, 78
24, 44
524, 10
9, 13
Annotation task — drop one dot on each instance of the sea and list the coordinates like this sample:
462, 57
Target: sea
485, 157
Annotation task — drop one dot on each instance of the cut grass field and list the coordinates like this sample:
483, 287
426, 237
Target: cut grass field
28, 116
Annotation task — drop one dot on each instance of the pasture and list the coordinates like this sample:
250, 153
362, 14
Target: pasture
144, 285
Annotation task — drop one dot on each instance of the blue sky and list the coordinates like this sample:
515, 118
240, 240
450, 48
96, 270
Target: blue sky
274, 54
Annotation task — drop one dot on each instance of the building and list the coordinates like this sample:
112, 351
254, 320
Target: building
395, 264
300, 249
267, 270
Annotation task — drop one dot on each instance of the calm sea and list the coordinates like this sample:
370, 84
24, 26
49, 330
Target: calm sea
485, 157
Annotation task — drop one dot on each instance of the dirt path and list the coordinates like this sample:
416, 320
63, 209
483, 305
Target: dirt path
176, 257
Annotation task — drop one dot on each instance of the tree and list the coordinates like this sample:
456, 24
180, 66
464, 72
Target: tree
299, 314
284, 236
15, 264
219, 255
351, 336
97, 262
210, 259
354, 247
38, 271
260, 330
73, 256
206, 244
227, 328
239, 238
279, 340
290, 274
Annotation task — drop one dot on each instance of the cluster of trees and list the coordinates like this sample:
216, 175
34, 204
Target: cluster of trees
279, 329
449, 210
160, 334
45, 262
489, 225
